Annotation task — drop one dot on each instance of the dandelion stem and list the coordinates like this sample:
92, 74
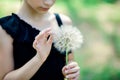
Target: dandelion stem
67, 56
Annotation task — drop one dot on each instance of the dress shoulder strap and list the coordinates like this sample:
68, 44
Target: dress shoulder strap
59, 21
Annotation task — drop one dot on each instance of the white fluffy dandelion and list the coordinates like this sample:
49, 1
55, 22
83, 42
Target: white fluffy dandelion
67, 38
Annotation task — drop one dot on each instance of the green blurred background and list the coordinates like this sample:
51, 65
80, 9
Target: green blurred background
99, 22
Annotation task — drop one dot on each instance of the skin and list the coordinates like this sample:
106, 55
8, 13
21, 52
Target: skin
34, 12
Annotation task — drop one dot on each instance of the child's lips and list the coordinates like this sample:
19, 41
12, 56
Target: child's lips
44, 9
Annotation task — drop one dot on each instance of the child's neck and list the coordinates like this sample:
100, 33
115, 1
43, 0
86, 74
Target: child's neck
36, 20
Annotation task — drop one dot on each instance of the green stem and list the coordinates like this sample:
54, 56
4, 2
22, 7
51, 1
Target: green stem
67, 56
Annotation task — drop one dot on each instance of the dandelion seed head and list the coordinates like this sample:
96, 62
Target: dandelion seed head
67, 37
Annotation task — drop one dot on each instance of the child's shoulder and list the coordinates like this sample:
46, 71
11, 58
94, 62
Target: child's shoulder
65, 19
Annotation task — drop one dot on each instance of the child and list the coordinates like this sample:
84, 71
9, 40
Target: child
26, 45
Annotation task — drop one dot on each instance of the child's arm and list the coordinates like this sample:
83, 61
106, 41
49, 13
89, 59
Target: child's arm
25, 72
6, 58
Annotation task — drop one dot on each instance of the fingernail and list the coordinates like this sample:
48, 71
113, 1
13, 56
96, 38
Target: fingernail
67, 67
66, 76
66, 71
49, 28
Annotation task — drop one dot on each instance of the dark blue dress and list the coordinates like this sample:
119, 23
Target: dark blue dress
23, 35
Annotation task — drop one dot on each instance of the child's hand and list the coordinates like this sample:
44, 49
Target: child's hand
71, 71
42, 43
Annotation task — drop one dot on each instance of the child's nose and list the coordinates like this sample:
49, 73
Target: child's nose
48, 3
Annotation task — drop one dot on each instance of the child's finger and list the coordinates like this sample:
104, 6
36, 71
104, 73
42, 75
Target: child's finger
72, 65
34, 44
47, 34
75, 78
73, 70
64, 70
50, 39
70, 76
41, 34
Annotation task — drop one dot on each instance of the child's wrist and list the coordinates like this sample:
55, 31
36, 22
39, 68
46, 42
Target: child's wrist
38, 57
